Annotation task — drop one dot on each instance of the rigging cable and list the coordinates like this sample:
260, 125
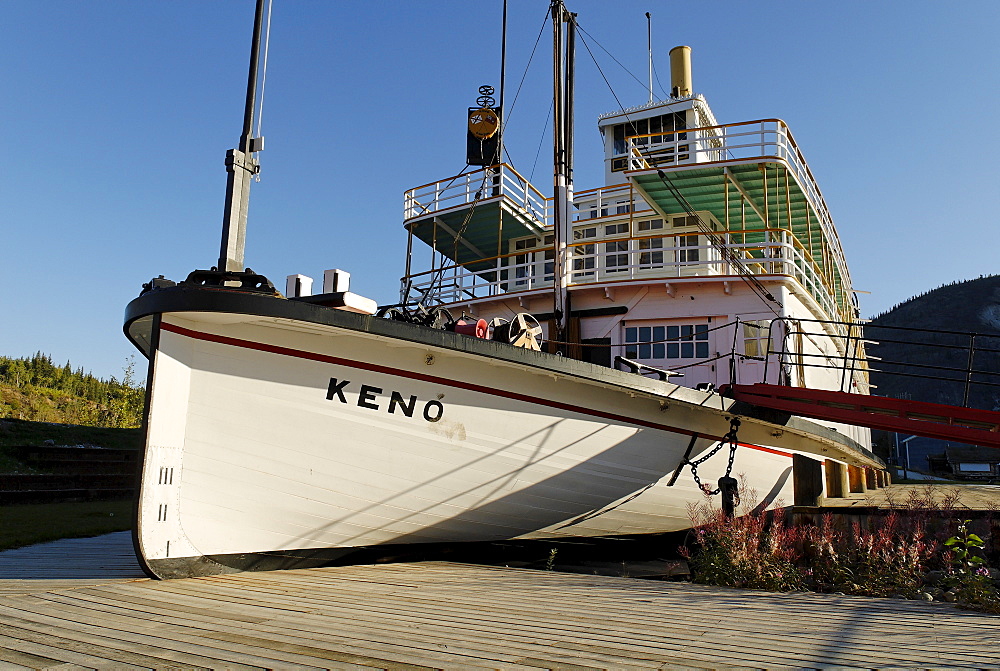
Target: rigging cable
541, 140
503, 122
263, 76
629, 72
659, 83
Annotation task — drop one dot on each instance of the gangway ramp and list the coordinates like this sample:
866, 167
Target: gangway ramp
918, 418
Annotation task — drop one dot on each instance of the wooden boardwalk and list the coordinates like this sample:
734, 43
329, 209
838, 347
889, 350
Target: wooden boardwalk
69, 562
970, 497
450, 616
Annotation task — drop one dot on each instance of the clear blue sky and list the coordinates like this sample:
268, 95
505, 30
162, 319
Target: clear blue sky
116, 115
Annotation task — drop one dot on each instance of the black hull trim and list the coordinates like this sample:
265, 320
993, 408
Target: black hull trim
509, 552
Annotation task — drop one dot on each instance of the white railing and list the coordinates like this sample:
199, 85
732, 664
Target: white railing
733, 142
462, 190
628, 259
609, 201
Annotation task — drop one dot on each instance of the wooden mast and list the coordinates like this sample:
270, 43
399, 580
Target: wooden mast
241, 166
563, 51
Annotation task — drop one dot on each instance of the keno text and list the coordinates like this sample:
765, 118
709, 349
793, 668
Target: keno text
372, 398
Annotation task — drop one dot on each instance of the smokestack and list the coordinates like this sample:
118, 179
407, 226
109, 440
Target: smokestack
680, 72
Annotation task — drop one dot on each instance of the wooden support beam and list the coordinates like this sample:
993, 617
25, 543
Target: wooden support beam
746, 196
450, 231
807, 479
837, 485
856, 480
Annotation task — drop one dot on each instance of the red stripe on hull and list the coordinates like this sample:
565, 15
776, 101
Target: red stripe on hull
362, 365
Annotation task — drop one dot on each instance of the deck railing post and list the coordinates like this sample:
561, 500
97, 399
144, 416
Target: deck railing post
732, 359
847, 355
968, 370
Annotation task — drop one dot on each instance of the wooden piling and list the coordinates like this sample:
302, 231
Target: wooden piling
856, 479
807, 477
836, 479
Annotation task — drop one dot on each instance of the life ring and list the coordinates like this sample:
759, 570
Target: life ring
483, 123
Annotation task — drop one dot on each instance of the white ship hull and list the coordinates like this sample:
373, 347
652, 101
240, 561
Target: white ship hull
283, 434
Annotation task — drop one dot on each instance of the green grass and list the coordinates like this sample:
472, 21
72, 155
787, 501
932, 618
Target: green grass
16, 432
22, 432
37, 523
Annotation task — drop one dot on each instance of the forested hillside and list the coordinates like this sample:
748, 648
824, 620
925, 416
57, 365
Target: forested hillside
35, 389
972, 306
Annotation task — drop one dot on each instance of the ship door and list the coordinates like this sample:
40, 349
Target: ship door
596, 351
769, 353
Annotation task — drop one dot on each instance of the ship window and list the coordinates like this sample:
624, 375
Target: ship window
675, 341
522, 263
585, 260
550, 258
679, 123
650, 225
615, 229
619, 135
756, 338
616, 255
668, 124
603, 210
650, 252
534, 261
585, 257
655, 126
645, 342
688, 252
642, 128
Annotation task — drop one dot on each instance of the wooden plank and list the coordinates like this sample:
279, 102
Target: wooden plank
446, 615
852, 643
106, 557
866, 600
13, 655
118, 639
56, 651
255, 644
473, 629
21, 586
683, 622
451, 631
327, 623
171, 584
186, 631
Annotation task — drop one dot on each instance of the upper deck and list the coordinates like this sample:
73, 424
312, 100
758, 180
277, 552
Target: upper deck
711, 201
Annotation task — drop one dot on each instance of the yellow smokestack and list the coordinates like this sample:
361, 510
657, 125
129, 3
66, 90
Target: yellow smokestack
680, 72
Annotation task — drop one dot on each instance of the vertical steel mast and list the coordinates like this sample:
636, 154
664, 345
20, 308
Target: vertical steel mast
563, 57
241, 166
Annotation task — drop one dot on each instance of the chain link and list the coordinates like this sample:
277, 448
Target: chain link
733, 440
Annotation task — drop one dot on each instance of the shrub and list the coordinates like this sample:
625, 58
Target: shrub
895, 554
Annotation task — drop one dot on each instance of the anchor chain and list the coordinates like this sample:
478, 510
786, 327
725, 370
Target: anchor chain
726, 482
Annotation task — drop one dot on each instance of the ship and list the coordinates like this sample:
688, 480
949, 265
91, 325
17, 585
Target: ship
551, 369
